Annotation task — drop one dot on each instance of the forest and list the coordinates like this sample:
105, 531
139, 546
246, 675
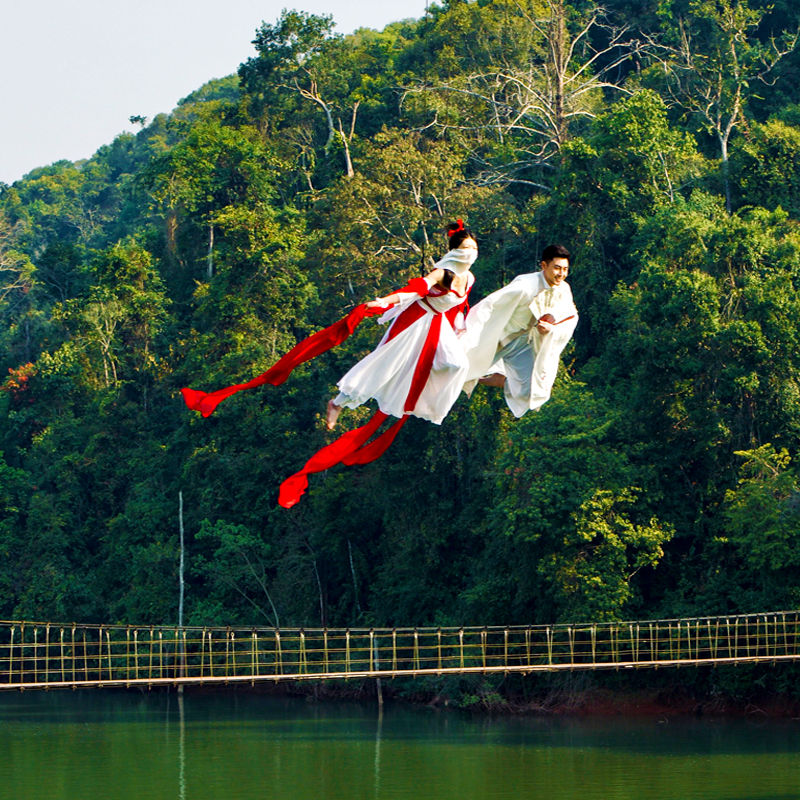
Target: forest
658, 140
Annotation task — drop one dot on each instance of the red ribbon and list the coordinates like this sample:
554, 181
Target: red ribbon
318, 343
377, 447
351, 448
418, 285
293, 488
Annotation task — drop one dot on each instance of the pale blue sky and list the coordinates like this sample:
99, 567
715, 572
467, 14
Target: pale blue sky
74, 71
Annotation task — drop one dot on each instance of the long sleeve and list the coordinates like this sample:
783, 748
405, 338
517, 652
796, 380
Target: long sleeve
494, 319
548, 349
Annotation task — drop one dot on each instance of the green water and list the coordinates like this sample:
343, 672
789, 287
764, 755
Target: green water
97, 745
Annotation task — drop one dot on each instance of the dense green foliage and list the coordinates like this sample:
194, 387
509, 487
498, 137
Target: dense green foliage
658, 481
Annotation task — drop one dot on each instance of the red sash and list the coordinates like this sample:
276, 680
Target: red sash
309, 348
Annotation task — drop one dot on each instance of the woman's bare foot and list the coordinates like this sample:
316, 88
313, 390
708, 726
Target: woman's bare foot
495, 379
332, 415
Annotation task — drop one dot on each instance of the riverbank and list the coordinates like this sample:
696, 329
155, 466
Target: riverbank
664, 695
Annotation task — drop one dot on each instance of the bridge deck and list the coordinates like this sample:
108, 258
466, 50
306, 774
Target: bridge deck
48, 655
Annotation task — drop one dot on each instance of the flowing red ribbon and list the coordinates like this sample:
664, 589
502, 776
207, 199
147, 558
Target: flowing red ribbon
318, 343
293, 488
349, 449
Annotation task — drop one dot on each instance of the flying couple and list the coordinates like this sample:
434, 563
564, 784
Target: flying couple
431, 352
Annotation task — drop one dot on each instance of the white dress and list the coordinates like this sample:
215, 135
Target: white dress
387, 373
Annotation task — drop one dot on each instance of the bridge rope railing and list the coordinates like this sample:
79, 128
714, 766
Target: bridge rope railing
52, 655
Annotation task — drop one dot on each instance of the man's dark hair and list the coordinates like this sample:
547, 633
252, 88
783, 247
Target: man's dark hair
555, 251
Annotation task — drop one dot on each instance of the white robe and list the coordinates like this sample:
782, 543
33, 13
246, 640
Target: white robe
501, 336
386, 374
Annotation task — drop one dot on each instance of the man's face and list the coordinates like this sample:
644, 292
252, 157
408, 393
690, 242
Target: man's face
556, 270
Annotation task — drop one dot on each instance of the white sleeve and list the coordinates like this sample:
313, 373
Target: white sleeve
490, 321
548, 349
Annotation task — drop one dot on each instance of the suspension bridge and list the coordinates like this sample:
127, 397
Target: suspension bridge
46, 655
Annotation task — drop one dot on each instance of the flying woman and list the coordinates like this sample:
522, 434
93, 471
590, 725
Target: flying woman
418, 368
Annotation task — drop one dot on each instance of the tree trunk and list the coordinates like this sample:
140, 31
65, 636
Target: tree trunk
559, 49
348, 163
210, 257
726, 177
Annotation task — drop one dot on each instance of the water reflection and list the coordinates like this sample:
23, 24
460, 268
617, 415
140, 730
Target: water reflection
378, 751
181, 748
65, 746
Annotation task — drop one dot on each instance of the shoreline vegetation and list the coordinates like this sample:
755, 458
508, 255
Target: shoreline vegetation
576, 694
659, 482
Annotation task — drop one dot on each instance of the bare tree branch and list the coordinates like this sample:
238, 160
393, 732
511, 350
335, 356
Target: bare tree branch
531, 106
16, 270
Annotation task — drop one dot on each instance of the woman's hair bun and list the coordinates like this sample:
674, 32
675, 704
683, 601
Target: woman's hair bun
457, 233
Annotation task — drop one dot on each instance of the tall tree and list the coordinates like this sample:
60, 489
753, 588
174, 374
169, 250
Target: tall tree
530, 72
717, 64
300, 55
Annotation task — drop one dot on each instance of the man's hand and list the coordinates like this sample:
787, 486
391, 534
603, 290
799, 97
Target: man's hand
545, 323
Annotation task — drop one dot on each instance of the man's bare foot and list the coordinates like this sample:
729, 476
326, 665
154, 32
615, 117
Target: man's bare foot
332, 415
495, 379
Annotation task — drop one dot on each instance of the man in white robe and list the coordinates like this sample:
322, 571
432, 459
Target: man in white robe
515, 336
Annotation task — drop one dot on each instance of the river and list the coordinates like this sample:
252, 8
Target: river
93, 745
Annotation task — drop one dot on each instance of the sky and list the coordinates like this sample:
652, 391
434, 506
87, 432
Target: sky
74, 72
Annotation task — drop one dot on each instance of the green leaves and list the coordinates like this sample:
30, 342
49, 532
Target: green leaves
116, 324
237, 564
566, 488
762, 513
766, 167
267, 204
288, 45
591, 574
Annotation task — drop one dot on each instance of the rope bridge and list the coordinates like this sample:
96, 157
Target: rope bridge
44, 655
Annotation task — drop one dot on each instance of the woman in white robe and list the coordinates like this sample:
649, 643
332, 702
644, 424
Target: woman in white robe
418, 369
419, 366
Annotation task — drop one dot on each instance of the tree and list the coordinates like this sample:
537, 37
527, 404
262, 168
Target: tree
568, 496
120, 316
22, 321
384, 225
299, 54
702, 358
765, 167
238, 563
629, 165
714, 67
762, 513
592, 573
757, 542
534, 70
16, 269
214, 167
